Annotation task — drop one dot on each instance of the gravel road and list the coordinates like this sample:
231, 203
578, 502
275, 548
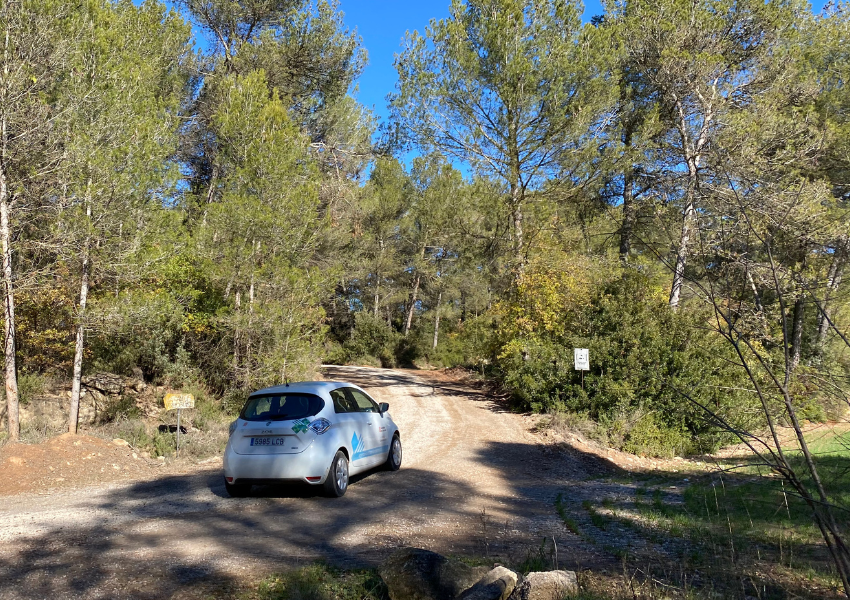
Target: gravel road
474, 480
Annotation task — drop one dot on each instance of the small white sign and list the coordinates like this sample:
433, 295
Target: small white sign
582, 358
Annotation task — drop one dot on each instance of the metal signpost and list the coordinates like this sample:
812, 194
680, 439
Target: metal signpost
179, 402
582, 360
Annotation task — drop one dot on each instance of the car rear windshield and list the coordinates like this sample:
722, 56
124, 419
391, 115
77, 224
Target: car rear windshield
281, 407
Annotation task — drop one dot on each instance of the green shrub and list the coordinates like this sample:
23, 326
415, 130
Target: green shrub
30, 386
650, 437
135, 432
233, 401
642, 355
120, 408
372, 336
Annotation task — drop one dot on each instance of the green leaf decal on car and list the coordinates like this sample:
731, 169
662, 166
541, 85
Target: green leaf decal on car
301, 425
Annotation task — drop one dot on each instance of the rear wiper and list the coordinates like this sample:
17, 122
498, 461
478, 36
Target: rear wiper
278, 417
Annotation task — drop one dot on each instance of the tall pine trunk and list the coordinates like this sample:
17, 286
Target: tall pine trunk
10, 366
833, 280
74, 414
437, 320
797, 334
688, 217
413, 294
629, 213
412, 308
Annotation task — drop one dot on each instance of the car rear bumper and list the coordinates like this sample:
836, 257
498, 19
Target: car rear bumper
277, 468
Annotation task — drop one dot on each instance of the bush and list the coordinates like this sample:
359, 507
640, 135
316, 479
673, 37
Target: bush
233, 401
372, 337
642, 355
119, 409
30, 386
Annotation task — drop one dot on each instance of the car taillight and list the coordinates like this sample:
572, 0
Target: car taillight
320, 425
232, 428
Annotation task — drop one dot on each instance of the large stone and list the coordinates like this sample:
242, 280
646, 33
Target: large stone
416, 574
549, 585
108, 383
495, 585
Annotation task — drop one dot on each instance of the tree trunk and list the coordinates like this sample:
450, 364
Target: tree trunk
10, 364
797, 334
437, 320
684, 241
249, 332
628, 214
516, 215
236, 337
463, 307
74, 414
517, 191
833, 280
412, 308
756, 294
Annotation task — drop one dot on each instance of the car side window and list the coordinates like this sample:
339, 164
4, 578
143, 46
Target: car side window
341, 402
364, 402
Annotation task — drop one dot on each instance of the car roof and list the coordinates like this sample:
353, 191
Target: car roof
305, 387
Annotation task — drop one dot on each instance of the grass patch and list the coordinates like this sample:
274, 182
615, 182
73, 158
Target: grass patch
740, 532
569, 522
321, 582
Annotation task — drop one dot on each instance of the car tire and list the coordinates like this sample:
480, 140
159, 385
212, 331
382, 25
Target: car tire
237, 490
394, 455
337, 480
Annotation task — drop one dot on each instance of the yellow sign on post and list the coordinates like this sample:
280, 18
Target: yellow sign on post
177, 401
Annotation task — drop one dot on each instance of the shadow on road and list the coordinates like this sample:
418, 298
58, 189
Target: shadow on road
153, 539
178, 532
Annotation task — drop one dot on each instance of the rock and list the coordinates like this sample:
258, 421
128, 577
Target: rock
139, 385
549, 585
120, 442
107, 383
416, 574
495, 585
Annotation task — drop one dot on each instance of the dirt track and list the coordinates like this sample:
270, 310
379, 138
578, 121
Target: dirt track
474, 481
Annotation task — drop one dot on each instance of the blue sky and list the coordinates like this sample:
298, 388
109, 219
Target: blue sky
382, 25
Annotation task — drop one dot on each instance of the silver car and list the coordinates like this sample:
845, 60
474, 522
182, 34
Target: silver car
317, 432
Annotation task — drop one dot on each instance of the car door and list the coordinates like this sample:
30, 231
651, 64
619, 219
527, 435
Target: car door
347, 418
367, 446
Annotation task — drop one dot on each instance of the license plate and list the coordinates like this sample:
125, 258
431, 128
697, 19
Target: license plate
268, 441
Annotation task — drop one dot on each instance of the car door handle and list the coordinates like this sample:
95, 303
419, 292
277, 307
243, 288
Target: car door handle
368, 422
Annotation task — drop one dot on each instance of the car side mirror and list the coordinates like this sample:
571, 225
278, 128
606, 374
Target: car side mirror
383, 407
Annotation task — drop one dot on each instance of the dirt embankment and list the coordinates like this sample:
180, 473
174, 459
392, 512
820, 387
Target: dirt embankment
71, 461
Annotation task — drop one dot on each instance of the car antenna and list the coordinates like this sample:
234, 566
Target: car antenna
286, 381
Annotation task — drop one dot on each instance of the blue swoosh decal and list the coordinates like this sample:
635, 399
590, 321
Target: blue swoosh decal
359, 452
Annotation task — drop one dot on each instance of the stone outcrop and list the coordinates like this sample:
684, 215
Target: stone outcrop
416, 574
549, 585
495, 585
99, 390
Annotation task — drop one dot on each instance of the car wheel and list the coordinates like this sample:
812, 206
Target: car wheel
394, 456
337, 480
237, 490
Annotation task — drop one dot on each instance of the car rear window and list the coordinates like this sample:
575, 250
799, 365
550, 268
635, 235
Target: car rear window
281, 407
